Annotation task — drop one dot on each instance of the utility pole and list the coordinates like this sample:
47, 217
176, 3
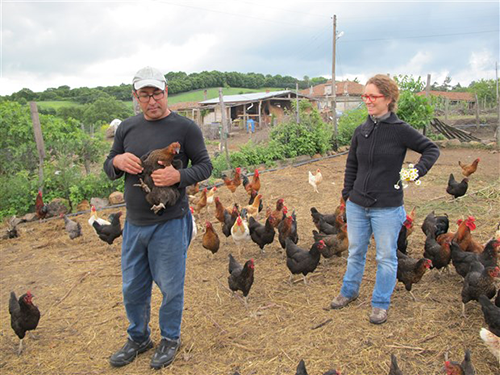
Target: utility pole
498, 106
224, 130
297, 101
334, 88
427, 90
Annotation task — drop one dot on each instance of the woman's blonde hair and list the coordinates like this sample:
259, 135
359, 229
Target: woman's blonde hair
387, 87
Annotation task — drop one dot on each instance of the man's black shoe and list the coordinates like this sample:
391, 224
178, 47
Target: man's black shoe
128, 352
165, 353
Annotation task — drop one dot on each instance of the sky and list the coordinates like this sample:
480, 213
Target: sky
101, 43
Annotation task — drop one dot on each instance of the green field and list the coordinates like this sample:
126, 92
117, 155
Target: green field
191, 96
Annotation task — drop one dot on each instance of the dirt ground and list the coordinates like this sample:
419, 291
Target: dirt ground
77, 286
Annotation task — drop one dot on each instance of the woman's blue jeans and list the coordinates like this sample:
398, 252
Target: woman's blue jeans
155, 253
385, 224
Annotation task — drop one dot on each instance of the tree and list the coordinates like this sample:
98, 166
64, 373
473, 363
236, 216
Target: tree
485, 89
104, 110
414, 109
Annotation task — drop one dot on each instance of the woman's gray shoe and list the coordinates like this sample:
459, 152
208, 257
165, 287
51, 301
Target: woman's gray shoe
378, 315
128, 352
341, 301
165, 353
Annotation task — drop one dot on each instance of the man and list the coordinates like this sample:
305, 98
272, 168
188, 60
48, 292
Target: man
155, 246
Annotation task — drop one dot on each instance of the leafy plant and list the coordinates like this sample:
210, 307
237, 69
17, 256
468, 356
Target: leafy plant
348, 122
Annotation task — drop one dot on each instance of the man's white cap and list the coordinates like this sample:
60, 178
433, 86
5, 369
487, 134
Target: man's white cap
149, 77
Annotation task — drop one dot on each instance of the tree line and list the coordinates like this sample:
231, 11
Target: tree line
178, 82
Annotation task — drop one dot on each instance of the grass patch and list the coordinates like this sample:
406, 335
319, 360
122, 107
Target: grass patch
56, 104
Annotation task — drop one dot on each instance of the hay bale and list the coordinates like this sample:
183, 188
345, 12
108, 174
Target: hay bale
116, 198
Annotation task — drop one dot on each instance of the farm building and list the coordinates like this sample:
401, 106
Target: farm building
453, 98
348, 95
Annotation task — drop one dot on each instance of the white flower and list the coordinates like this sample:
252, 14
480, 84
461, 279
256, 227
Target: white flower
396, 186
410, 166
418, 182
405, 186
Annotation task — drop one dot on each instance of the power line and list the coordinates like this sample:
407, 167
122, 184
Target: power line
420, 36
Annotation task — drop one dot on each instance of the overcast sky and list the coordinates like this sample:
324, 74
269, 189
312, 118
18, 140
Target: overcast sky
92, 43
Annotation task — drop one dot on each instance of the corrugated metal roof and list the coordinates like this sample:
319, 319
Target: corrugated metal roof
249, 97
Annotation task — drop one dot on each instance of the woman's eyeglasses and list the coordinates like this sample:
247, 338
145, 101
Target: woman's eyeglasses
144, 97
371, 98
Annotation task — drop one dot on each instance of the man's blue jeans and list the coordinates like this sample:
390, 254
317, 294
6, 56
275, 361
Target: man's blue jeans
155, 253
385, 224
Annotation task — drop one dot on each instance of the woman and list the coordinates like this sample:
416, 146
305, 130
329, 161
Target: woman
374, 197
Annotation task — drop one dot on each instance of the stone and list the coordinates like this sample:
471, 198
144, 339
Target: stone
343, 148
29, 217
99, 203
475, 144
453, 142
116, 198
317, 156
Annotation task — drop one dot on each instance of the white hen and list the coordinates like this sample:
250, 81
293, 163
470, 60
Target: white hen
240, 232
315, 179
491, 341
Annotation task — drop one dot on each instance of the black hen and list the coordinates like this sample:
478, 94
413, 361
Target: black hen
24, 316
262, 235
240, 278
491, 314
394, 369
108, 233
300, 260
457, 189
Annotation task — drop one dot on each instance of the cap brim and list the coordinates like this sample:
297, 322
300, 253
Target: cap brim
149, 83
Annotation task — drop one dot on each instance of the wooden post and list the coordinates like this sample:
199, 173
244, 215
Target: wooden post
334, 88
446, 108
224, 130
427, 92
297, 101
260, 115
37, 129
477, 113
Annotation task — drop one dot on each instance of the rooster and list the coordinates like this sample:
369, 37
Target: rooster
160, 197
315, 179
241, 278
492, 342
404, 232
108, 233
468, 169
240, 232
232, 184
41, 209
24, 316
254, 185
279, 213
93, 217
464, 368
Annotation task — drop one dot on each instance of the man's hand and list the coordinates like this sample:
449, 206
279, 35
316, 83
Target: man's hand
167, 176
128, 162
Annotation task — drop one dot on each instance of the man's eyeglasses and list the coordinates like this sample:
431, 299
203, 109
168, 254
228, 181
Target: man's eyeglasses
371, 98
144, 97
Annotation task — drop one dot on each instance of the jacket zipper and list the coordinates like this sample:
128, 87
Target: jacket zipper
370, 159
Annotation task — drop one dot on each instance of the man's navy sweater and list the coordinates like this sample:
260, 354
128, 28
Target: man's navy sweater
375, 159
140, 136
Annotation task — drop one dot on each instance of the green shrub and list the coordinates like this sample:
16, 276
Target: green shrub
18, 193
349, 121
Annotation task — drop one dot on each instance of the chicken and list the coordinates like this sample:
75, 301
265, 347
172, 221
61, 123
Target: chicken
492, 342
232, 184
336, 244
253, 195
229, 220
94, 217
463, 259
73, 228
288, 229
210, 240
404, 232
479, 280
160, 197
219, 210
253, 209
241, 278
455, 188
201, 203
240, 232
192, 190
262, 235
211, 195
254, 185
24, 315
462, 236
410, 271
279, 213
394, 369
465, 368
108, 233
435, 224
468, 169
315, 179
194, 233
328, 218
439, 254
41, 209
12, 231
491, 314
301, 370
300, 260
